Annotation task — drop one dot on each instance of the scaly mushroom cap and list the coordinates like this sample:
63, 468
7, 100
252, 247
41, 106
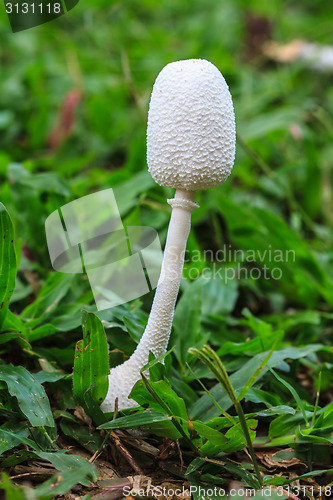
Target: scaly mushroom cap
191, 126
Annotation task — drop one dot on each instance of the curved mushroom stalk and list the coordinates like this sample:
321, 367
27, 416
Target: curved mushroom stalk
190, 146
156, 335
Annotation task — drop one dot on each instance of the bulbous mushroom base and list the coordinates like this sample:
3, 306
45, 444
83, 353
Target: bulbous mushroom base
122, 378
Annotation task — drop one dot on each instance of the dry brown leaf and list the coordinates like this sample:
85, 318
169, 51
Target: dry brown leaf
33, 473
167, 449
293, 475
105, 470
139, 443
272, 459
81, 415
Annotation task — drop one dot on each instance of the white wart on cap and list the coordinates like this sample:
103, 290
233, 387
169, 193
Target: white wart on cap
191, 126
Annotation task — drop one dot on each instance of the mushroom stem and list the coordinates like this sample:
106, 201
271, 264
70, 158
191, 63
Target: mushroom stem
156, 335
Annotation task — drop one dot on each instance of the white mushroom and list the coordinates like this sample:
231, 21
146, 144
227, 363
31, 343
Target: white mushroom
190, 146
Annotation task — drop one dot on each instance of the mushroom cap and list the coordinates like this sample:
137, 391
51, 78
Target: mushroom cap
191, 126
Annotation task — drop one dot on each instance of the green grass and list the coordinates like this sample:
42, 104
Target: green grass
273, 334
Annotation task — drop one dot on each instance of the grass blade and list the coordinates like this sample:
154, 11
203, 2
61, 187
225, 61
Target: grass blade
294, 393
251, 381
136, 420
91, 363
209, 357
7, 262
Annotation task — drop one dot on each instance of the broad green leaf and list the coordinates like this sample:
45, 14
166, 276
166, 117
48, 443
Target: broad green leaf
314, 435
256, 374
234, 440
53, 376
283, 480
245, 475
312, 473
21, 438
22, 290
277, 410
233, 467
18, 457
326, 417
45, 437
9, 336
8, 404
264, 338
74, 470
13, 492
30, 394
86, 437
45, 181
161, 426
183, 388
164, 429
54, 289
155, 361
126, 194
68, 316
265, 397
261, 328
8, 441
236, 437
42, 332
293, 392
61, 356
7, 262
92, 408
219, 297
175, 404
219, 423
134, 327
297, 319
195, 464
211, 479
61, 461
207, 432
61, 483
64, 462
91, 363
143, 418
211, 397
286, 424
13, 323
187, 320
140, 394
160, 397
